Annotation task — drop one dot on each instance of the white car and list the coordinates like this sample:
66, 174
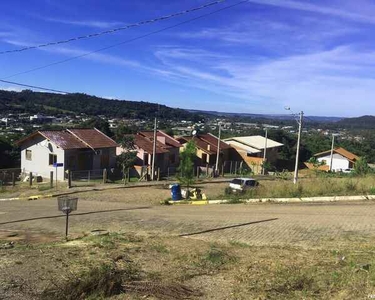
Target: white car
347, 170
242, 184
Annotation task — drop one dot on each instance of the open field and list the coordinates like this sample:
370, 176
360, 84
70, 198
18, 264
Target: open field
243, 251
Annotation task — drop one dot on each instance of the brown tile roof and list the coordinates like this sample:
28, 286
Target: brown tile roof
147, 145
350, 156
205, 141
210, 138
63, 139
74, 138
94, 138
170, 142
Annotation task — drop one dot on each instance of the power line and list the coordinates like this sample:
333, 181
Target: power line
34, 87
163, 18
127, 41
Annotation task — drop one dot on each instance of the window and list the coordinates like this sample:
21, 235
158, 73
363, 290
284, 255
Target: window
52, 159
204, 157
28, 154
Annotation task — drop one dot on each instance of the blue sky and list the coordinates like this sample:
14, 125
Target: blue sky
316, 56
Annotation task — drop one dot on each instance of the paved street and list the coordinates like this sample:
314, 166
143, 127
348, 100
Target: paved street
293, 224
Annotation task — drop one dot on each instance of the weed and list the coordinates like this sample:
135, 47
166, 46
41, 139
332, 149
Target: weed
214, 258
98, 282
239, 244
350, 186
372, 190
43, 187
160, 248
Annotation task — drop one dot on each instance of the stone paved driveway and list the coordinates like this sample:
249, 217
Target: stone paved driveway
293, 224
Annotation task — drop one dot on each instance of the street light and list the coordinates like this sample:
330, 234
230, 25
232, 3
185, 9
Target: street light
332, 150
300, 123
218, 151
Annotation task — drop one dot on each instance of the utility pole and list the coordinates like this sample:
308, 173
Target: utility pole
218, 151
295, 179
154, 152
265, 153
332, 148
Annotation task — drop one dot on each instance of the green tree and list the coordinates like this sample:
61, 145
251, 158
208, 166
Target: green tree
98, 123
186, 168
123, 130
361, 167
128, 157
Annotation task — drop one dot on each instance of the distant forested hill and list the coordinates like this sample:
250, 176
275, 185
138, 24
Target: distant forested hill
364, 122
49, 103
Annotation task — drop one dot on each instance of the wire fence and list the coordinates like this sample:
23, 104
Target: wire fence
9, 176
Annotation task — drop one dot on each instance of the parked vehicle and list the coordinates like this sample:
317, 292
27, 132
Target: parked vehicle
347, 171
243, 184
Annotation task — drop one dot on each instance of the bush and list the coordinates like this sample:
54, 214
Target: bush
228, 191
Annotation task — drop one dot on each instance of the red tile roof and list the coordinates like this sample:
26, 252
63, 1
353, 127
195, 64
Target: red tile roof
170, 142
94, 138
63, 139
75, 138
147, 145
206, 142
350, 156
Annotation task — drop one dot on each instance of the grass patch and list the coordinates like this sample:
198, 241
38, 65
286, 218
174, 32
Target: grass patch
160, 248
239, 244
310, 187
215, 257
44, 187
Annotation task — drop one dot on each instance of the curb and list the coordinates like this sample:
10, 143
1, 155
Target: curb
29, 198
280, 200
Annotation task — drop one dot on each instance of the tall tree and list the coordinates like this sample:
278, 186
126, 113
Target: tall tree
128, 157
186, 168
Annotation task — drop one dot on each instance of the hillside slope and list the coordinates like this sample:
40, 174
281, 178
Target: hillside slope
49, 103
364, 122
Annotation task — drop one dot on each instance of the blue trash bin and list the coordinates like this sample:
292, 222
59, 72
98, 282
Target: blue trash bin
176, 192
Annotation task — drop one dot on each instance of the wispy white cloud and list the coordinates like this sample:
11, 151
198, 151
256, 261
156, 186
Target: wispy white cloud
86, 23
363, 15
327, 82
305, 34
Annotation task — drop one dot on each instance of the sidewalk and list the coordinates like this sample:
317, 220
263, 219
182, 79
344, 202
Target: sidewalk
103, 187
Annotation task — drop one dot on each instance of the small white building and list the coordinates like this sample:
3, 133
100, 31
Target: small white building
341, 159
76, 149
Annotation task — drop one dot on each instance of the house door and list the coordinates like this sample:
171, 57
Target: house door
104, 161
84, 161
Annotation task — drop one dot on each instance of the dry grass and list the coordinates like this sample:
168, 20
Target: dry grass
126, 266
312, 187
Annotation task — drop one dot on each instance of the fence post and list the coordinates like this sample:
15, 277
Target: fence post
168, 173
222, 170
235, 168
207, 170
104, 175
13, 179
51, 179
88, 176
198, 170
158, 175
128, 174
69, 179
31, 178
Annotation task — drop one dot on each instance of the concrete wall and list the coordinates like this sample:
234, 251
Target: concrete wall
339, 161
39, 163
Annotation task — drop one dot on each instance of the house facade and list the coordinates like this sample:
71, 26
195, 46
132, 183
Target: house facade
250, 150
76, 149
167, 151
341, 160
207, 149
